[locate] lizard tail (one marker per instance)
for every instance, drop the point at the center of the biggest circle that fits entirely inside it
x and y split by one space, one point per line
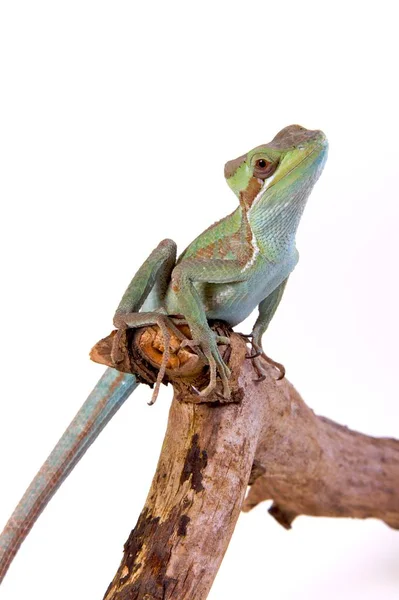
104 401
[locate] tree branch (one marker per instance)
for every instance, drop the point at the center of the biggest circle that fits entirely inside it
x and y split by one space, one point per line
312 466
266 437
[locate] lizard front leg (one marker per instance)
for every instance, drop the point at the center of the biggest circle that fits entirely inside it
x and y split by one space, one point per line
191 305
267 308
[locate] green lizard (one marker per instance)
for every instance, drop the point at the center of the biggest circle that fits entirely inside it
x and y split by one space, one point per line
239 263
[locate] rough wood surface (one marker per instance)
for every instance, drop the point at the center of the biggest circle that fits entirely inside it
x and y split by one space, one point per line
268 438
309 465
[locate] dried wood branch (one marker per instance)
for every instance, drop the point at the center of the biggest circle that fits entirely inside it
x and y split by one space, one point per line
267 438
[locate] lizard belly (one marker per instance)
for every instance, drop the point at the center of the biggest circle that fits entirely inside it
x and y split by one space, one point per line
234 302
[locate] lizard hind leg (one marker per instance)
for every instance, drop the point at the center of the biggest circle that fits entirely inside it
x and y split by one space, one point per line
153 278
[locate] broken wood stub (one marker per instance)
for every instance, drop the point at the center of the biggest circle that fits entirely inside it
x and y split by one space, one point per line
142 351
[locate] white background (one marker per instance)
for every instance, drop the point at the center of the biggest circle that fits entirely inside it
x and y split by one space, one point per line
116 120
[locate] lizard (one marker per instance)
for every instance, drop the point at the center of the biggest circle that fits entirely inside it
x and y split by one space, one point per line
239 263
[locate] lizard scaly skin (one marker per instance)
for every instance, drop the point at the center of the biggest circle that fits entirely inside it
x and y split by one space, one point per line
239 263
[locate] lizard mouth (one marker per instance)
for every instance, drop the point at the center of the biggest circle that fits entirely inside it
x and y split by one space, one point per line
266 182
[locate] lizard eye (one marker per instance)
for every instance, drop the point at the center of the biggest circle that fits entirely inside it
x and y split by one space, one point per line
263 168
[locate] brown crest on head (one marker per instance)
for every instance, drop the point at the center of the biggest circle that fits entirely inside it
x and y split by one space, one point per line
231 167
291 136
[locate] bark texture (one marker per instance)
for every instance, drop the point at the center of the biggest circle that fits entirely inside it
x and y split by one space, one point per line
266 437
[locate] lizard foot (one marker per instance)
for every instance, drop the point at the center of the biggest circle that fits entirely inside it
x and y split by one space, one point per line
216 364
258 356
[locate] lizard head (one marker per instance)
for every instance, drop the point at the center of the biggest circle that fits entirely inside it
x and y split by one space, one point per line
294 158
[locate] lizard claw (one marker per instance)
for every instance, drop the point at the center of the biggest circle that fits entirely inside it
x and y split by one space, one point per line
216 364
246 335
195 346
223 340
255 355
259 356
